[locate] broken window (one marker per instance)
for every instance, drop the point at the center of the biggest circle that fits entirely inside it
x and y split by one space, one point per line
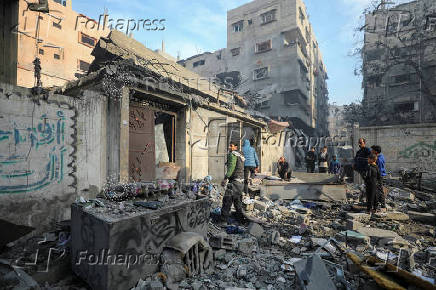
87 40
200 62
41 51
83 65
294 97
302 17
430 24
57 25
405 107
374 81
263 46
250 21
238 26
62 2
268 17
56 56
235 51
260 73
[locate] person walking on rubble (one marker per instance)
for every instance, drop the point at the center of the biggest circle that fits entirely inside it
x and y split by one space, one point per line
233 182
323 158
372 184
310 160
335 166
251 163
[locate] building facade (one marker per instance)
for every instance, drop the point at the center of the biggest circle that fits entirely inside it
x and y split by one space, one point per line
272 48
60 38
399 63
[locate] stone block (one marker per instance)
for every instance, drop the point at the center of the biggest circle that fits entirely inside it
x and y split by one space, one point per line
425 218
353 225
222 241
353 237
255 230
113 251
260 205
396 216
360 217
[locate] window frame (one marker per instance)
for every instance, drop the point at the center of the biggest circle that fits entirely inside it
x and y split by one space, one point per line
84 43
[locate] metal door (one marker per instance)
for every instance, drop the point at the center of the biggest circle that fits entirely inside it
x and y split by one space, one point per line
217 148
141 144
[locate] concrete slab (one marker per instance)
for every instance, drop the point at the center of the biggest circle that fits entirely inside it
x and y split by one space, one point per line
426 218
325 192
313 274
111 251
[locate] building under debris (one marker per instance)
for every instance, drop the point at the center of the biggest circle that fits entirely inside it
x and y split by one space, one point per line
273 56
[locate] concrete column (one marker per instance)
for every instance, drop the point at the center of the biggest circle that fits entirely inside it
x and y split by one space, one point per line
354 141
124 136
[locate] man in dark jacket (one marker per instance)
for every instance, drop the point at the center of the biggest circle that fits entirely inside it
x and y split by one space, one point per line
372 184
251 163
361 159
283 169
310 160
234 180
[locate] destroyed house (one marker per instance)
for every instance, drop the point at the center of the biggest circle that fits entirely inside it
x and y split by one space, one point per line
135 117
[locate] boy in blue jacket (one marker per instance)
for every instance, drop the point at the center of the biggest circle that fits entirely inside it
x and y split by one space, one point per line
251 163
381 166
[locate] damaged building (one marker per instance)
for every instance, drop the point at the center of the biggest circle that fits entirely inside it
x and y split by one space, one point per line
273 54
135 117
399 63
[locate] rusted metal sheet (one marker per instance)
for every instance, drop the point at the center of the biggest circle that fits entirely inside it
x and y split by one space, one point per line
141 144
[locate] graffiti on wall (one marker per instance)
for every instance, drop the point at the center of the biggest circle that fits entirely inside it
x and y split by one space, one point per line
32 152
421 153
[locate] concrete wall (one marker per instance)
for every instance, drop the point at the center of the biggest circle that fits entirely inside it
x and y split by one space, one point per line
406 146
272 149
51 150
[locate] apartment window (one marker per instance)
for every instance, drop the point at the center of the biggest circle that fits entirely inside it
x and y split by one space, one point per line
56 56
405 107
238 26
62 2
83 65
57 25
260 73
41 51
374 81
263 46
87 40
268 17
235 51
250 21
40 17
200 62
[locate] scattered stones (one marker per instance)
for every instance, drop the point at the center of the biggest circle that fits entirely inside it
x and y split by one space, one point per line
426 218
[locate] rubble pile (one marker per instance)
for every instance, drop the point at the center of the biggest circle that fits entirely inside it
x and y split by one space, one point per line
266 253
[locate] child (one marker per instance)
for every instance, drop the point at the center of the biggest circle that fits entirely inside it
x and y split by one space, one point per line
335 166
372 184
381 166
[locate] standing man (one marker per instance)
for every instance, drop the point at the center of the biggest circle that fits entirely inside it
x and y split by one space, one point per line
372 184
376 149
283 169
323 159
310 160
251 163
361 160
234 181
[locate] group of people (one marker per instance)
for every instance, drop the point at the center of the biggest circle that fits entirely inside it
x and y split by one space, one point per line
324 165
370 164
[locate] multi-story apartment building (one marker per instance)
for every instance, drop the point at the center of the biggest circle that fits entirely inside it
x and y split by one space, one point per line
61 38
399 63
272 47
